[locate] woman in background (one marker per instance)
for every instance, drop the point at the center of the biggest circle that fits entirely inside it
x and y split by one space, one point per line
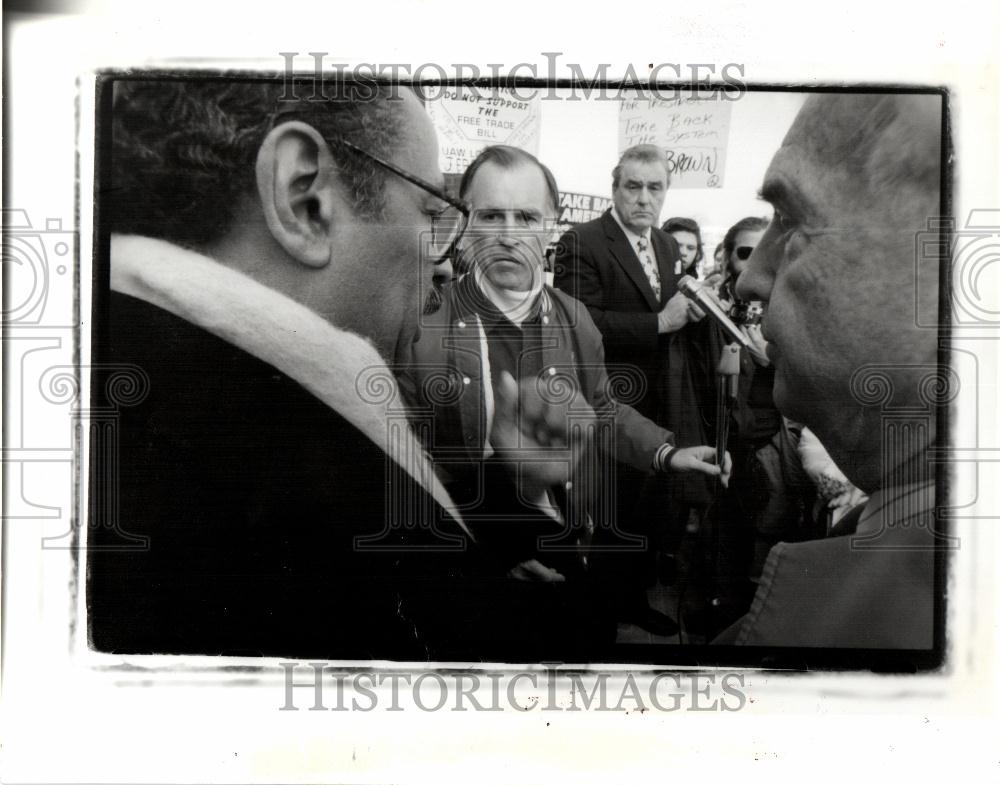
737 246
687 233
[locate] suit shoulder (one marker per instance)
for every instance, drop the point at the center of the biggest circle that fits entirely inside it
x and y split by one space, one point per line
575 310
666 238
589 229
562 299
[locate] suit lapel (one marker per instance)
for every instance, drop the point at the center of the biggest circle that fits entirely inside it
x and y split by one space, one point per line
666 259
622 252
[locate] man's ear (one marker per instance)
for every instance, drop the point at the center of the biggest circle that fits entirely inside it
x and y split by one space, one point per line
299 191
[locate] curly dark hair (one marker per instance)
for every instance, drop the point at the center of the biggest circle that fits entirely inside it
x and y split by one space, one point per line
184 152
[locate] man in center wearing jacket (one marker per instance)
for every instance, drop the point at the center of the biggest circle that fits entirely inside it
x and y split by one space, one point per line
500 326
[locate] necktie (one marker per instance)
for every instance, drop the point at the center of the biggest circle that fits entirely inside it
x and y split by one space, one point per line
647 264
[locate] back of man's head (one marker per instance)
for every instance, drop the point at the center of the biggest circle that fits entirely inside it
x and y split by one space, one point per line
183 152
300 195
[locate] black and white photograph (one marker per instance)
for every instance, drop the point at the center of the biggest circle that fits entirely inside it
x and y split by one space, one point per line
463 419
414 417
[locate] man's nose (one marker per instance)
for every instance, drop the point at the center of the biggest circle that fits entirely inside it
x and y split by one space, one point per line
509 228
756 280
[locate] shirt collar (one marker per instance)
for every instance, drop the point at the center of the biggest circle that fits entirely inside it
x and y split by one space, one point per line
516 307
633 238
897 505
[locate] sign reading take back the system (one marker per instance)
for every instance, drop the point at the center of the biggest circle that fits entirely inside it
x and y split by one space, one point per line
693 130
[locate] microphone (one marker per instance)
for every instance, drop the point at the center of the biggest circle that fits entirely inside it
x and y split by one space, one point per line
695 292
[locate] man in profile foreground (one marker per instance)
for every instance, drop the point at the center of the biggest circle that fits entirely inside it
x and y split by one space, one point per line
853 185
271 498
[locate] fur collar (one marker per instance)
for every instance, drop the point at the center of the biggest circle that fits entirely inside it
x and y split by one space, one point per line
332 364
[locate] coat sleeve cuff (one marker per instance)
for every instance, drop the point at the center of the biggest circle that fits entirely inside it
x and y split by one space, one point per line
662 457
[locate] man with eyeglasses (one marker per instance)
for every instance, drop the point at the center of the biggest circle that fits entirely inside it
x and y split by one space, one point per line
499 327
268 259
625 270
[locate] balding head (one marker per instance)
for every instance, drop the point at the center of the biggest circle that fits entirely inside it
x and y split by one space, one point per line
883 142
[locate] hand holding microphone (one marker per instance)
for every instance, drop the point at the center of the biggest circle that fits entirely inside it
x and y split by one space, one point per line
678 311
758 344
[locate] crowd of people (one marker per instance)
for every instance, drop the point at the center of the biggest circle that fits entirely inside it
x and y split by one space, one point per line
710 544
346 453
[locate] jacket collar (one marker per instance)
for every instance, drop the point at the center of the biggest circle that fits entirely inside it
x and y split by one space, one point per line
631 236
470 301
624 254
330 363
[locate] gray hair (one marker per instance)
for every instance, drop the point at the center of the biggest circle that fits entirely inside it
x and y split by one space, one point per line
646 153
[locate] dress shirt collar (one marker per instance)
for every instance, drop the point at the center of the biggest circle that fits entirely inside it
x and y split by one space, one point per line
633 238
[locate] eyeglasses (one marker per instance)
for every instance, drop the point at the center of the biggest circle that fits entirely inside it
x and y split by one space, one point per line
447 226
744 251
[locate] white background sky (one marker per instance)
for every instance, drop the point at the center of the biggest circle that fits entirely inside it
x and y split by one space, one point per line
579 142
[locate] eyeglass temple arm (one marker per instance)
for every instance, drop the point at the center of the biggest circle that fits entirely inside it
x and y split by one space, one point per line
409 177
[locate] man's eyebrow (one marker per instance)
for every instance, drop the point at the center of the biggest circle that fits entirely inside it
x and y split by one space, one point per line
640 181
773 191
493 209
785 196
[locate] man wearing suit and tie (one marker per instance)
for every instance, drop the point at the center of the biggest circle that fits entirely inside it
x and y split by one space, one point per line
625 270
